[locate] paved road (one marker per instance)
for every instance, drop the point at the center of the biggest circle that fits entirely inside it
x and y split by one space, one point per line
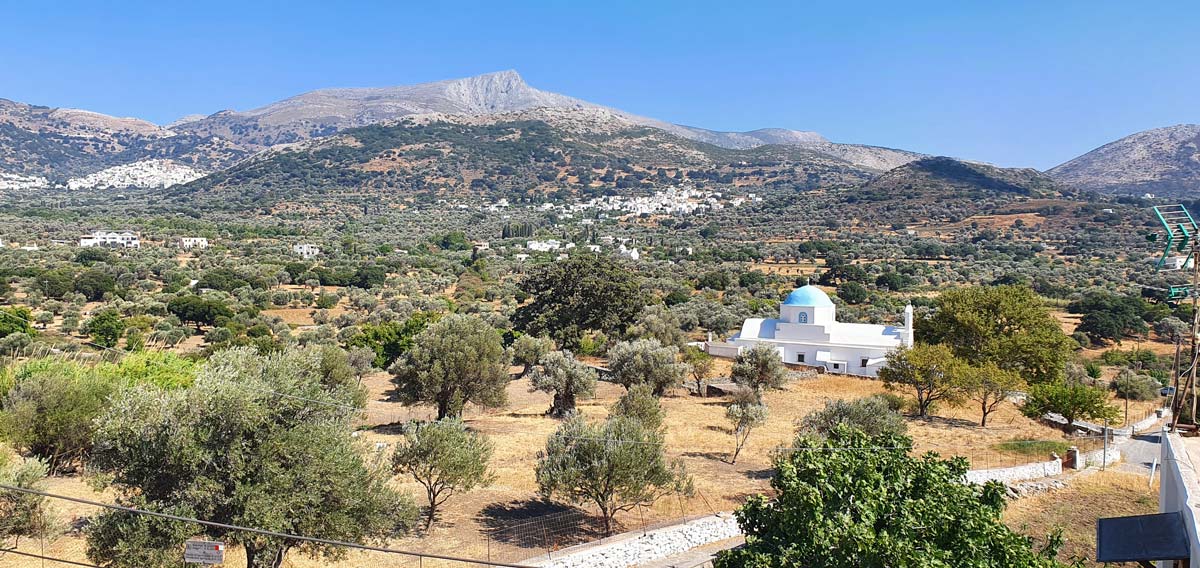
1139 452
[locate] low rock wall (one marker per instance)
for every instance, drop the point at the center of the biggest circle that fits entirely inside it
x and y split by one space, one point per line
1097 458
654 545
1017 473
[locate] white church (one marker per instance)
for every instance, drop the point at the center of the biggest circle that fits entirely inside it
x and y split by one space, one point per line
808 333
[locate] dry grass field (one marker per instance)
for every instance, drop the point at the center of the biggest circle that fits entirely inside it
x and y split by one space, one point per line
1075 509
697 435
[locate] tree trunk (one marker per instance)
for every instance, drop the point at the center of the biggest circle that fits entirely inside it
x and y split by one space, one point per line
443 409
983 418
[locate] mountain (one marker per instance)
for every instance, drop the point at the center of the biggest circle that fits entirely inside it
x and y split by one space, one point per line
59 144
579 151
940 178
323 112
65 144
1163 161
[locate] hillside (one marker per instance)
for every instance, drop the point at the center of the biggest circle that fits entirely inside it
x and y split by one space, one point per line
582 151
1163 161
948 178
60 144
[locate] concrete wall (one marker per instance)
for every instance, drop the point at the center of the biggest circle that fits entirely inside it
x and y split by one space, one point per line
1179 490
721 349
1023 472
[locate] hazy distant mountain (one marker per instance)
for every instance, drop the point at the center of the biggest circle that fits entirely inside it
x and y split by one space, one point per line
1163 161
63 144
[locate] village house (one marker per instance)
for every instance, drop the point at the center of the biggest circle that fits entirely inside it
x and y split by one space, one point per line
111 239
306 251
193 243
807 332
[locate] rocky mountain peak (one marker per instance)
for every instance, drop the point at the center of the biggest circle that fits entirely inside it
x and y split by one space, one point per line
1162 161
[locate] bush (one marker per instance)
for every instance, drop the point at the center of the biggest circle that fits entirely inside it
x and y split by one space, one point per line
50 410
873 415
1135 387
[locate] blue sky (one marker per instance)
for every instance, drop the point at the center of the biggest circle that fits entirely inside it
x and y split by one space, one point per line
1014 83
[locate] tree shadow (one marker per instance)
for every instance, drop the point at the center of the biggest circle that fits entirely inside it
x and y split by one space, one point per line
767 473
716 456
539 524
942 422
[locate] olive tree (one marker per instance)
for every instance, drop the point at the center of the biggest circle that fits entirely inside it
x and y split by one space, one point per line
445 458
528 351
702 366
744 417
617 465
647 361
561 375
260 441
759 368
458 359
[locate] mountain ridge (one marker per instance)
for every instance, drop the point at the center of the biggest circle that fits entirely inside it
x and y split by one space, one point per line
1162 160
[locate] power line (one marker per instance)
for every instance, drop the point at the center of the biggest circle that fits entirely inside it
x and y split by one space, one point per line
4 551
263 532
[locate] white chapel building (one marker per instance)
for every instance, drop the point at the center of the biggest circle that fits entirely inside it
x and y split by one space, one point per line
807 333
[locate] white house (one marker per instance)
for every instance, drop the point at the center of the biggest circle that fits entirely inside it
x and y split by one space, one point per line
808 333
113 239
306 250
193 243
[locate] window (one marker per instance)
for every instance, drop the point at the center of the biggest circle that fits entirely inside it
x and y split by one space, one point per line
799 357
837 365
864 362
802 317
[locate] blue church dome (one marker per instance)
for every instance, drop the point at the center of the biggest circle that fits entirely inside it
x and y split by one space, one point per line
809 296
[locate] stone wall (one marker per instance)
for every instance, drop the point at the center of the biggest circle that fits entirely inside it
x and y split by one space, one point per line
1017 473
635 549
1100 458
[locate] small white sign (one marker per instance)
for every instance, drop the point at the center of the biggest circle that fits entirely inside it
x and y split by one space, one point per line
203 552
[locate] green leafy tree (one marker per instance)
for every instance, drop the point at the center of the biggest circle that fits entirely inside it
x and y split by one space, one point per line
759 368
616 465
583 293
931 372
199 311
445 458
391 339
702 366
744 418
561 375
990 386
105 328
1132 386
55 283
16 319
50 409
878 509
871 415
1005 325
458 359
258 440
646 361
1073 401
94 284
528 351
852 293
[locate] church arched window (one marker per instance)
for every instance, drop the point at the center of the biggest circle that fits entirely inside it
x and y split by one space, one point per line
802 317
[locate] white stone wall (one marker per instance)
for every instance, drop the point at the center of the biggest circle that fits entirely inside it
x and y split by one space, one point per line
653 545
1102 458
1017 473
1179 491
